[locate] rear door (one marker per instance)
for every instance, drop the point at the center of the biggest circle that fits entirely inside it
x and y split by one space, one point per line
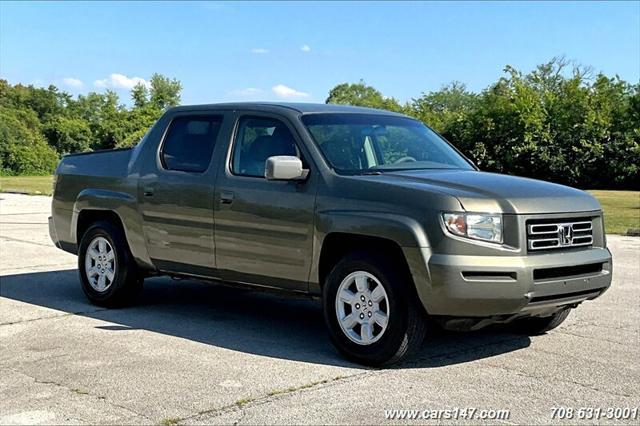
264 229
177 195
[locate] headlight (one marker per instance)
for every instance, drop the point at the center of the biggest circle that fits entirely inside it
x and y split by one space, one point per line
479 226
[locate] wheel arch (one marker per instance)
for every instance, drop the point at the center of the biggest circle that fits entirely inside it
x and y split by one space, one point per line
116 207
87 217
339 233
338 244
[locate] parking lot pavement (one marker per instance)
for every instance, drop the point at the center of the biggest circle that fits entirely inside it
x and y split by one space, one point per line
201 353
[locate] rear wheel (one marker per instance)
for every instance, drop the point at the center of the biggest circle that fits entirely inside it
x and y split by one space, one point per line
108 273
371 310
534 326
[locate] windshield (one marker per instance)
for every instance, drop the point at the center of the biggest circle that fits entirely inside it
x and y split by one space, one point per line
364 143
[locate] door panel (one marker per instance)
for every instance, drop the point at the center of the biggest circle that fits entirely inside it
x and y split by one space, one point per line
177 196
264 229
178 220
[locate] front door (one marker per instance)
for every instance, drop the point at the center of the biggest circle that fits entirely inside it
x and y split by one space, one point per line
263 229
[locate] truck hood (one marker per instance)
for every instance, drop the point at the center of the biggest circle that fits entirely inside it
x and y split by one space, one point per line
490 192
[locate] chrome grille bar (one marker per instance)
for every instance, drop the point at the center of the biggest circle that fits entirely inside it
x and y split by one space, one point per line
546 235
551 228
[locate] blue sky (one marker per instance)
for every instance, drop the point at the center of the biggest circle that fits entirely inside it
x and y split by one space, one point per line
298 51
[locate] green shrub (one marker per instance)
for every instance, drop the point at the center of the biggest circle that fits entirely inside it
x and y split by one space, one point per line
23 149
68 135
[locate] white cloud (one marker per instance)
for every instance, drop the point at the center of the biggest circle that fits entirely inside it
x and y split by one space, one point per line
259 50
305 48
285 92
120 81
247 92
72 82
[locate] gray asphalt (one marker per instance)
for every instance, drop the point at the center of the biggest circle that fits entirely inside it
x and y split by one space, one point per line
201 353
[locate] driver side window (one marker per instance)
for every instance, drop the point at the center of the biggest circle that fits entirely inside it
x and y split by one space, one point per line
258 139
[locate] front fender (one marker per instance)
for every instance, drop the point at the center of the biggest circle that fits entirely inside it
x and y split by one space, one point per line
125 206
403 230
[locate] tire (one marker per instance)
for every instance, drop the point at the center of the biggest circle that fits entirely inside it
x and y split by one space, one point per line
124 284
535 326
406 322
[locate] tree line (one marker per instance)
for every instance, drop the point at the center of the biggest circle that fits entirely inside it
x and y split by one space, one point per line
39 125
558 122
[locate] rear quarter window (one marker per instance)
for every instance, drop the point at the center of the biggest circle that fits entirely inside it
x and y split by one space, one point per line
189 142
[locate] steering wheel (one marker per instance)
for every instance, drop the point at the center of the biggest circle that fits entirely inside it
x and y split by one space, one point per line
407 159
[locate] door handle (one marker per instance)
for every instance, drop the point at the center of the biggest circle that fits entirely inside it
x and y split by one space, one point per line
226 197
148 192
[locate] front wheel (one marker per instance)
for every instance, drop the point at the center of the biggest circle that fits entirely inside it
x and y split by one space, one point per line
108 272
534 326
373 316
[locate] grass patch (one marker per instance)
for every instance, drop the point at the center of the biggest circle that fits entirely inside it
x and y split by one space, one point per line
169 421
32 185
277 392
244 401
621 210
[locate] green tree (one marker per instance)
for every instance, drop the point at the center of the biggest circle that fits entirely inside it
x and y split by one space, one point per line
67 134
23 150
446 111
359 94
616 128
138 123
164 92
42 101
106 118
140 95
91 121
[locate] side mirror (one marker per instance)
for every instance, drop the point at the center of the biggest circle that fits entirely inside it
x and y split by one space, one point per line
284 167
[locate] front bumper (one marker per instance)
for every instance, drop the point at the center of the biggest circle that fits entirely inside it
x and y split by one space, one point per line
487 286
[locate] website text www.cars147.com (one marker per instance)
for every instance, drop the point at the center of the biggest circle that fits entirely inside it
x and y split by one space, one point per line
465 413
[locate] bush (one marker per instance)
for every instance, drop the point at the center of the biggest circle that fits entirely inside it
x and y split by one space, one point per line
68 135
23 150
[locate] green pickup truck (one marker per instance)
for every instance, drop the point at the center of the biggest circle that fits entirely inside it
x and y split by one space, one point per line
370 211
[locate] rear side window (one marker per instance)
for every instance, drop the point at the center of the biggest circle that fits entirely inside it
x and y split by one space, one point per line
189 143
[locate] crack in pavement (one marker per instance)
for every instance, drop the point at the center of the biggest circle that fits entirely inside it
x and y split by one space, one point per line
77 392
66 314
578 322
604 339
16 240
37 268
544 379
241 405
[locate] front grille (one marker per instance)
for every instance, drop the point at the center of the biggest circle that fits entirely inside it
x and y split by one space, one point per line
550 234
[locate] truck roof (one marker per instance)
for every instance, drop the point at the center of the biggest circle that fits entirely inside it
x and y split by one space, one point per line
300 107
